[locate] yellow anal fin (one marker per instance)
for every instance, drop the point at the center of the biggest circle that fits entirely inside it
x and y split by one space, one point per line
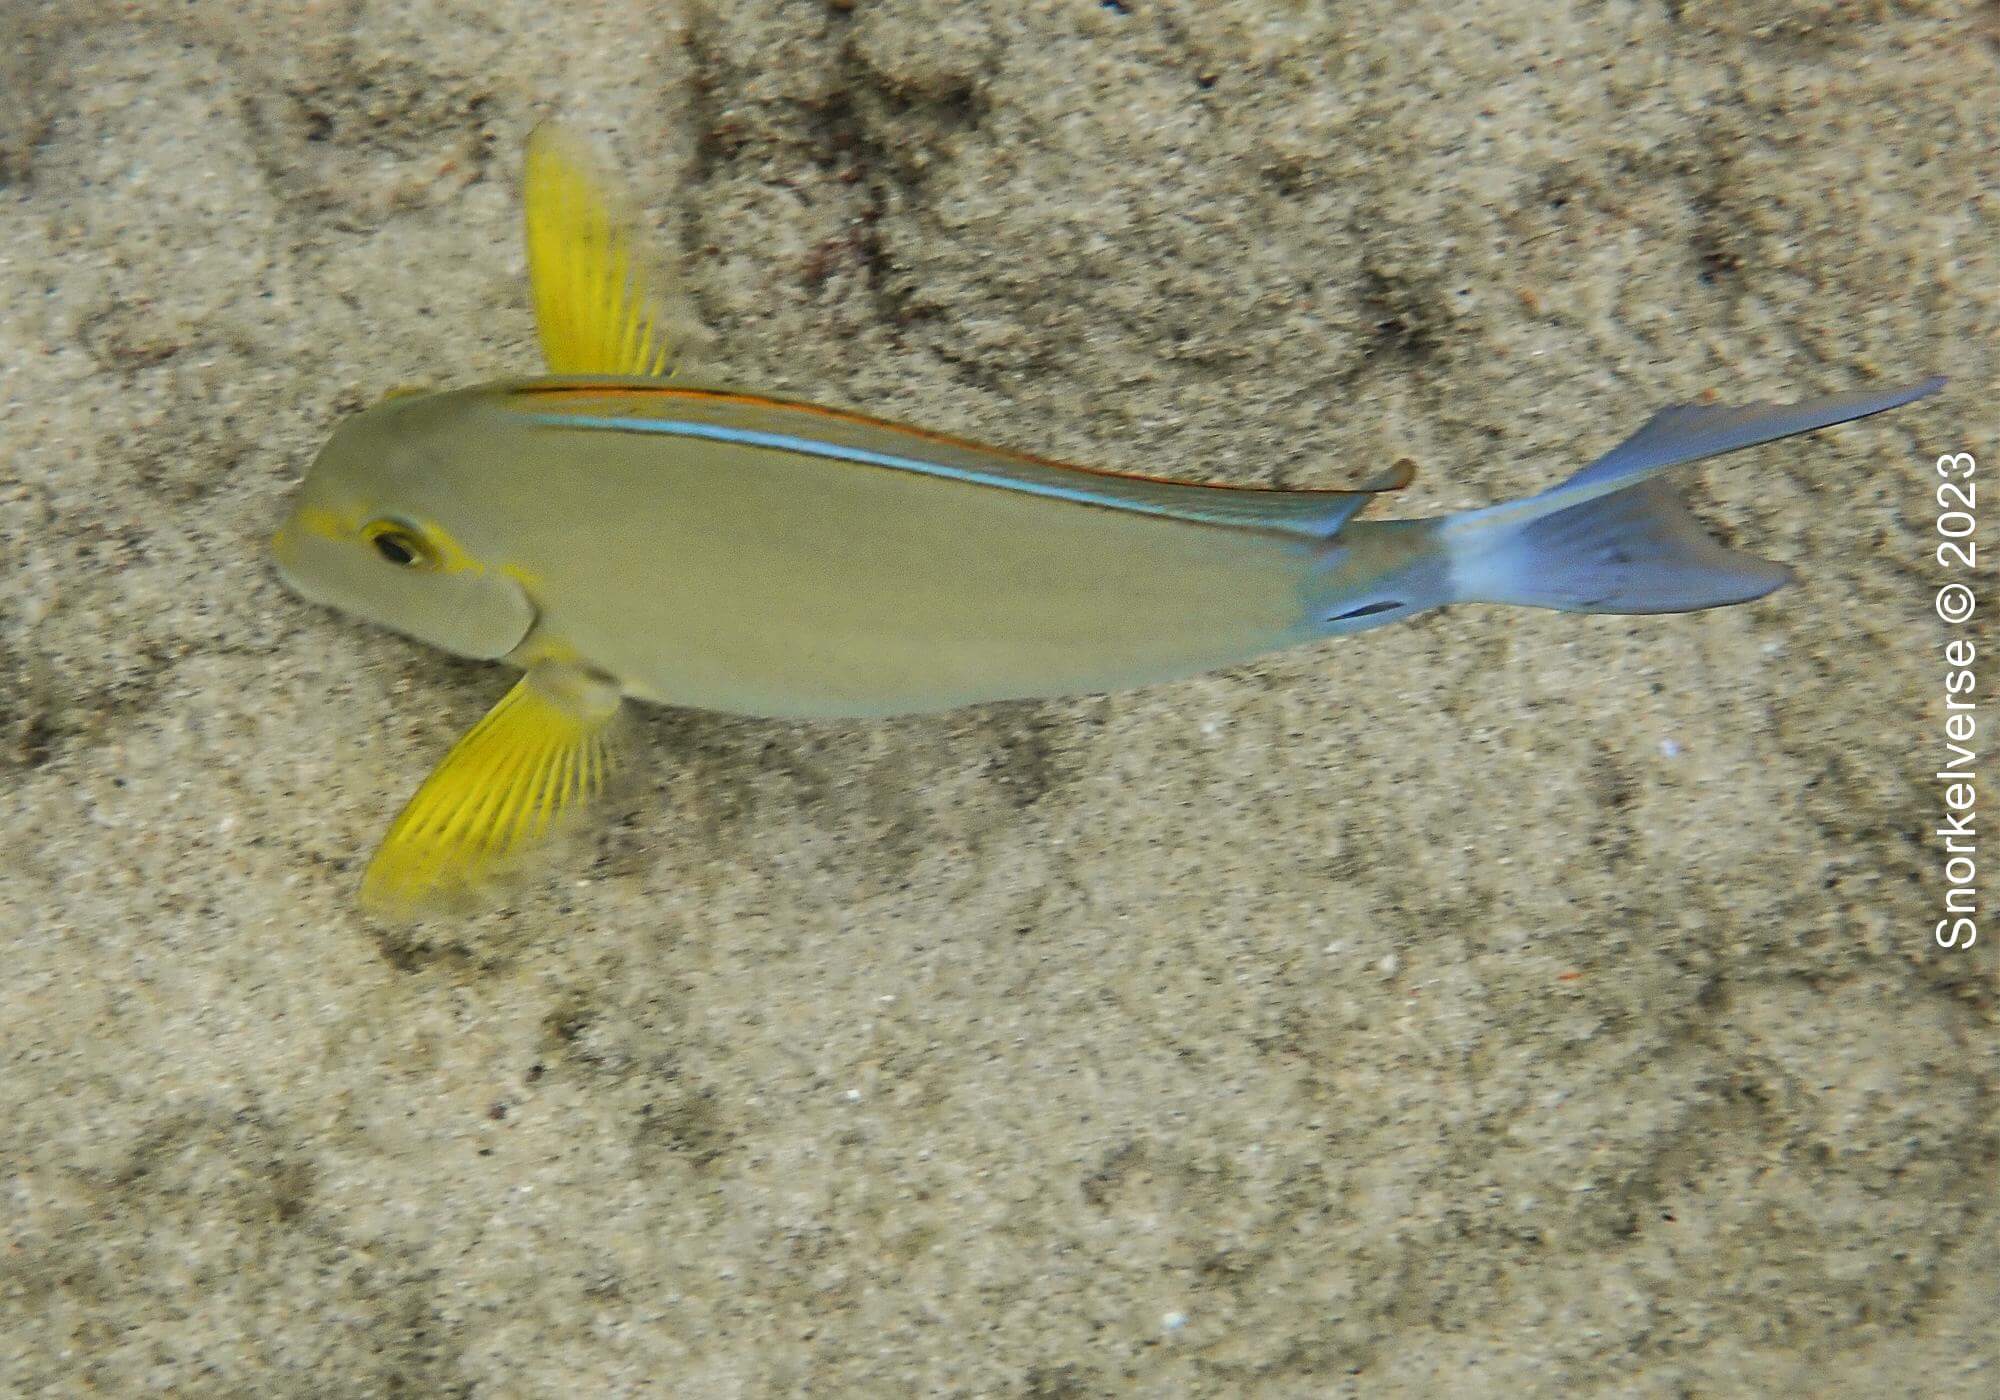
601 303
538 755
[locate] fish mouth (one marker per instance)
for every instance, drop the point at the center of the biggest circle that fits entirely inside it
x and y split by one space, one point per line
287 561
281 552
284 559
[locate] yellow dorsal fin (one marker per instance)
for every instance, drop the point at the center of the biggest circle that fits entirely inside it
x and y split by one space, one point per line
601 302
539 754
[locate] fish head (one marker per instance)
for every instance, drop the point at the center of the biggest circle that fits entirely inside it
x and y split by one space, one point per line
377 534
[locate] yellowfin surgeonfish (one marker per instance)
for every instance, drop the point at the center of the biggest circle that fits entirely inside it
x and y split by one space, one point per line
615 533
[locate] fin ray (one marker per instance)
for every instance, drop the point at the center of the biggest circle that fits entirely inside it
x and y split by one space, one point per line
602 304
535 757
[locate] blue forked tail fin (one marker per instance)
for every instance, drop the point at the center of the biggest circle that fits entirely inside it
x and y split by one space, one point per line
1611 539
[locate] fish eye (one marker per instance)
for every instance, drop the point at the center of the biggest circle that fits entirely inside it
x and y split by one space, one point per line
400 545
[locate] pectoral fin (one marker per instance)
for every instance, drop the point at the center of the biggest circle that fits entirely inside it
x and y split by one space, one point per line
602 304
537 756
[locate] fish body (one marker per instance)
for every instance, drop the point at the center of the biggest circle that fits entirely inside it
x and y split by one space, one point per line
618 534
737 552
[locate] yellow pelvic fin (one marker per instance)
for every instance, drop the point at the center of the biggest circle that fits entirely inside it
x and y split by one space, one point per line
600 301
539 754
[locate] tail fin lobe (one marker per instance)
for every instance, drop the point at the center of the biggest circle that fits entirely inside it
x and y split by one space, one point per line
1639 550
1612 539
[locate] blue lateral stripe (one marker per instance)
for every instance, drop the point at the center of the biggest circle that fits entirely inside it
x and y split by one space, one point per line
812 447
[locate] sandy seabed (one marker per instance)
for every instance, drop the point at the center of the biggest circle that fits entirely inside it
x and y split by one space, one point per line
1507 1003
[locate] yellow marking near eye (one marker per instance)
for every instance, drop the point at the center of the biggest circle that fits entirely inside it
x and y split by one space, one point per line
407 547
453 558
441 553
323 522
